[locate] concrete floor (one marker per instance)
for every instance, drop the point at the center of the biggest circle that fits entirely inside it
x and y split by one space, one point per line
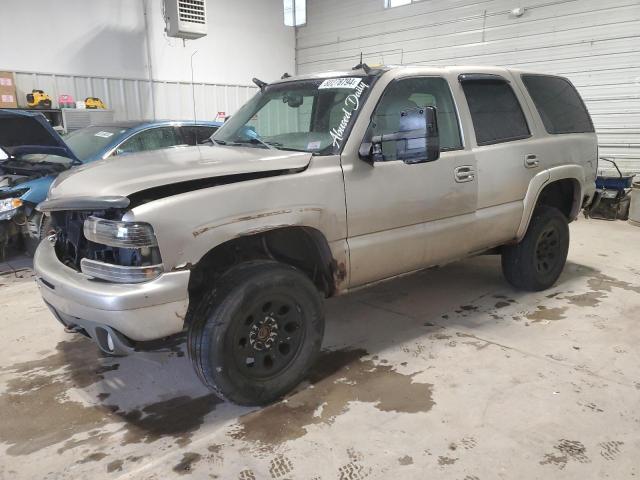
448 373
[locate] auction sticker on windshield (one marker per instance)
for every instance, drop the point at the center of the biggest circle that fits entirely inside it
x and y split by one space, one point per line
349 83
103 134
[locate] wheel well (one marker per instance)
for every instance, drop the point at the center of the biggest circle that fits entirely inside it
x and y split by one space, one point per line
302 247
561 194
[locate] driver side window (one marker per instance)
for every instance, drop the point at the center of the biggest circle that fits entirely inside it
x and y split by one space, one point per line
409 95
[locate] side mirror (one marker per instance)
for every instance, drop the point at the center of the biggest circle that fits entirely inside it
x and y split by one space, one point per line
417 141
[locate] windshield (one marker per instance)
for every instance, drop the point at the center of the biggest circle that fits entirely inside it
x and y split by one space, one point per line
307 115
84 143
89 141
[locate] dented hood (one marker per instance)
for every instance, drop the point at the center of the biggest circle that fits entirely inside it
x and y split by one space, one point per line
124 175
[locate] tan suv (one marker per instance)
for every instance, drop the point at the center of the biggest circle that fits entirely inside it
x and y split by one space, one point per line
320 184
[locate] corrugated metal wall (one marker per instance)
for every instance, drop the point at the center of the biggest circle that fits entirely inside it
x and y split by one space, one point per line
131 98
593 42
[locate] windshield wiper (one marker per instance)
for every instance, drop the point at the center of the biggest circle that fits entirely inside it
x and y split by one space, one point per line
256 140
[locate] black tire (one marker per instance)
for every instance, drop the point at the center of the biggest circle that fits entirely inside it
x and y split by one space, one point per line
37 228
537 261
253 337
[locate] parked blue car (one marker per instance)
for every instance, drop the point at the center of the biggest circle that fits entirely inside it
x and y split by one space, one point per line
32 154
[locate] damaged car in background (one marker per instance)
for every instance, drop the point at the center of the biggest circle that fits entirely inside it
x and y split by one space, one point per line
32 154
318 185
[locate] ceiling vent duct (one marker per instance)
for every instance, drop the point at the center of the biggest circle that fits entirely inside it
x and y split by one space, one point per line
185 18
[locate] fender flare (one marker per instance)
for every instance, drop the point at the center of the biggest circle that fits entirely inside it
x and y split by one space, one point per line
540 182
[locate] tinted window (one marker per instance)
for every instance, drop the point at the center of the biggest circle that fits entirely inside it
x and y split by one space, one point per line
409 95
196 135
152 139
559 104
496 113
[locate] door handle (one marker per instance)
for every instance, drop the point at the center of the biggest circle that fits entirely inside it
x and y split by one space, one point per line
465 173
531 161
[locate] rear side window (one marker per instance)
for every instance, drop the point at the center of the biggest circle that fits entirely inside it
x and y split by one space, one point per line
559 104
495 111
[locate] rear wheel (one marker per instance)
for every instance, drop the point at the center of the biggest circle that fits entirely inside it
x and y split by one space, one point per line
537 261
257 332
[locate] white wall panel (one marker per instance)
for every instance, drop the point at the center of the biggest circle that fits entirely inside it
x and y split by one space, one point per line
246 38
108 49
132 98
594 43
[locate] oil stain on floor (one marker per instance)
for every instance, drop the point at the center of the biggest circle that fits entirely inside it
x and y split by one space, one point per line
339 377
37 412
544 313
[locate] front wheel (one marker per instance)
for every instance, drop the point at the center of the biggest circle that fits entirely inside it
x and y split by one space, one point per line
254 336
537 261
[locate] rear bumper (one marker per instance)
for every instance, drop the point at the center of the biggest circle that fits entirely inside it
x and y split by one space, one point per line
144 311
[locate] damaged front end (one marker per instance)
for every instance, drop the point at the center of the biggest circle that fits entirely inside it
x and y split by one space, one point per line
13 218
22 185
32 154
98 243
103 277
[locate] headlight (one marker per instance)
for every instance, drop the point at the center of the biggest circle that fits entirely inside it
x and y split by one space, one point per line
127 252
119 234
118 273
9 207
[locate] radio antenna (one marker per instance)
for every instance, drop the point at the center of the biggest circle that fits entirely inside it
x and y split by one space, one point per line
362 66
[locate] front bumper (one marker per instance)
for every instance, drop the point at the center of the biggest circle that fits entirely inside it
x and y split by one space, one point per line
141 312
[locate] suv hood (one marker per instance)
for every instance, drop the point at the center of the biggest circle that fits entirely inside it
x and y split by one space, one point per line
23 132
129 174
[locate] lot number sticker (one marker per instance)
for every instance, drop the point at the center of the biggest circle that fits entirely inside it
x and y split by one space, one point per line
348 83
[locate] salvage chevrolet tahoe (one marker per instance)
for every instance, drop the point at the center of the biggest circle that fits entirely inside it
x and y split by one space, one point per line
320 184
